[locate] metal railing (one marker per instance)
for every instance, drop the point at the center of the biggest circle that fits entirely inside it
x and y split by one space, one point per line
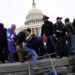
49 55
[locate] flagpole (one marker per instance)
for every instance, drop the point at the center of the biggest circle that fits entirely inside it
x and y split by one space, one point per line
52 65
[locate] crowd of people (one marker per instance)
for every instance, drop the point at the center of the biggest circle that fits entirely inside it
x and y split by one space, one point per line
58 38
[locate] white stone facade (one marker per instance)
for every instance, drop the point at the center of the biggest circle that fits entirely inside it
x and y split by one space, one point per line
33 20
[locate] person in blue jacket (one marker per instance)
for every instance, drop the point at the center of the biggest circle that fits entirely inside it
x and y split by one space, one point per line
11 44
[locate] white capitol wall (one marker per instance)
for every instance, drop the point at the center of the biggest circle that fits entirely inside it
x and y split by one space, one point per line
35 28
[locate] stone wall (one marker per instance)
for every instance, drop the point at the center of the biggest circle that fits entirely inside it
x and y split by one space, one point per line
64 66
14 69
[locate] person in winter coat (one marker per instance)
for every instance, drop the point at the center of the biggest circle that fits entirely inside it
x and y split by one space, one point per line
11 44
3 44
70 27
69 30
59 32
48 31
19 40
73 39
34 47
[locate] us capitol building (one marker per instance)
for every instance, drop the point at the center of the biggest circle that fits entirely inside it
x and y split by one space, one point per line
33 20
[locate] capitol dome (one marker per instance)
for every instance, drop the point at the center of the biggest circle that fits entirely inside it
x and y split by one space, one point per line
34 16
34 19
34 10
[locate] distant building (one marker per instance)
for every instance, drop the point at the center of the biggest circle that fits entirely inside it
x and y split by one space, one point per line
33 20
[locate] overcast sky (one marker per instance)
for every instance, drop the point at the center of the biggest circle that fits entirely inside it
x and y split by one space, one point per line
15 11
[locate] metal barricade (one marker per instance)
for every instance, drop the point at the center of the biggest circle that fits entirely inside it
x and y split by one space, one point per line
53 67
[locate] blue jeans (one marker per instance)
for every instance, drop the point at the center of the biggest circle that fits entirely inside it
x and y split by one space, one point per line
12 57
33 54
72 42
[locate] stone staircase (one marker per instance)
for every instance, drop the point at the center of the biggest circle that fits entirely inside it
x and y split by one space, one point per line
64 66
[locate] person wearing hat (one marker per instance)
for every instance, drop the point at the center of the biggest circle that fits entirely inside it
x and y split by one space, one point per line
59 32
59 18
48 31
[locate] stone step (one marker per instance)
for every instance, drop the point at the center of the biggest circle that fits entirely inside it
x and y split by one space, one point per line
71 74
61 70
72 60
71 68
62 67
13 67
56 62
